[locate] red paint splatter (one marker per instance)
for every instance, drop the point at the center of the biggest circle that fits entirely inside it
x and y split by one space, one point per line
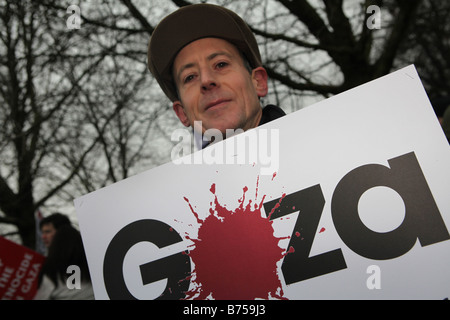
236 254
322 230
192 210
277 205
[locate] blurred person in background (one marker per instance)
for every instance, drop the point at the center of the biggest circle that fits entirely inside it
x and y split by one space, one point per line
66 249
50 224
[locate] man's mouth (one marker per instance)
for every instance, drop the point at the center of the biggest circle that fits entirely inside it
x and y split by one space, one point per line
216 103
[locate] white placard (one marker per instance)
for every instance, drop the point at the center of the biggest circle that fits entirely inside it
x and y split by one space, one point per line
357 207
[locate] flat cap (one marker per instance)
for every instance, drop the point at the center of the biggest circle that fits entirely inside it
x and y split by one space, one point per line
191 23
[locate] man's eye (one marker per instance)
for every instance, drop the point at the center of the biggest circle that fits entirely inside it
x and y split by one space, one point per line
221 65
188 78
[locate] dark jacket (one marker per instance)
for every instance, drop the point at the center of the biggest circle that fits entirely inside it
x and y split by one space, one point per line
271 112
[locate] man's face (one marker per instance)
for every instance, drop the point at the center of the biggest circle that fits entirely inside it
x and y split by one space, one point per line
47 232
216 88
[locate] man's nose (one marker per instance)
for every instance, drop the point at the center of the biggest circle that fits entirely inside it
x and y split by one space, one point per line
208 80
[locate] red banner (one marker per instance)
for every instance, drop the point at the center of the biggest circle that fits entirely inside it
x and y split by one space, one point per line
19 270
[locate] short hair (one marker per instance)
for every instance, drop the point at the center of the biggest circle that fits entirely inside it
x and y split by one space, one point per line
57 219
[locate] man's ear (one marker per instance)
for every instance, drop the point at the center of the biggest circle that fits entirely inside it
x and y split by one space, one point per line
260 78
179 111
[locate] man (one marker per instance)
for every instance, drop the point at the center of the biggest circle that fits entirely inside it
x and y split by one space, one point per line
207 62
50 224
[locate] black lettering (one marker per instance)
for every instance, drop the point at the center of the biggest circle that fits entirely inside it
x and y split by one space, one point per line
298 266
422 220
175 267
